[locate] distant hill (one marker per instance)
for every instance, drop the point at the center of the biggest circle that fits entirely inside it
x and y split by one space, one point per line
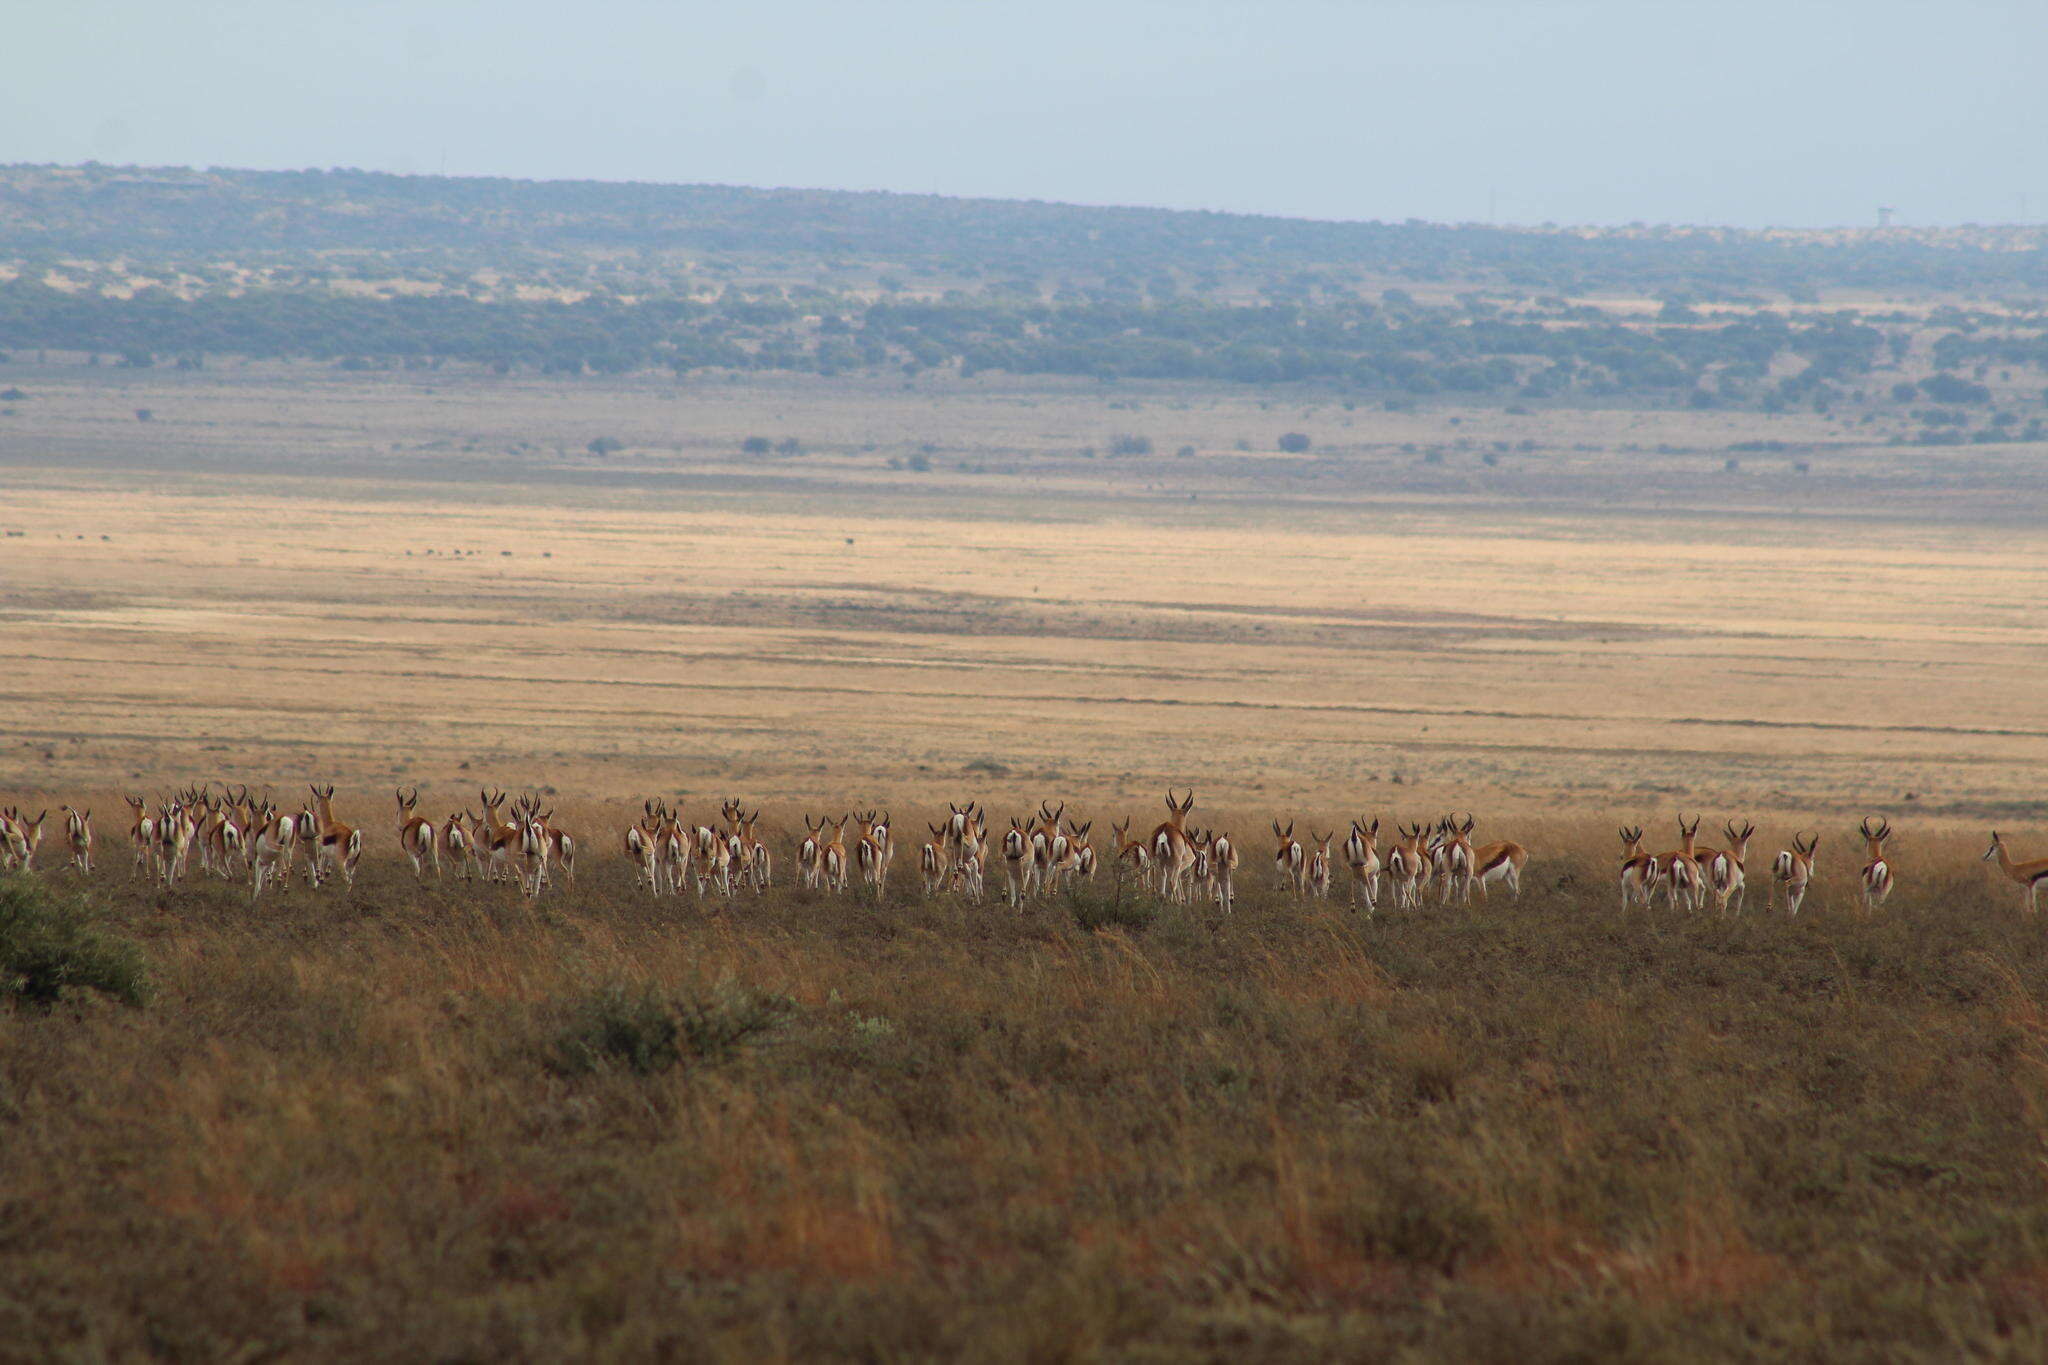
367 272
159 213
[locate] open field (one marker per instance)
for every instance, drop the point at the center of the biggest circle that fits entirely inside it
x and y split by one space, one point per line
370 580
449 1123
445 1122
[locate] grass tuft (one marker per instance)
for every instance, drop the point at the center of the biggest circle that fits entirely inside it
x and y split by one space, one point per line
1120 906
638 1029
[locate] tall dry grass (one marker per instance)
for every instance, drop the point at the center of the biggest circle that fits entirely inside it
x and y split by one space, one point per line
343 1126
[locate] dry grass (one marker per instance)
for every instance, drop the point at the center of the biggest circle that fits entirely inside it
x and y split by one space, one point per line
341 1129
371 1124
1617 625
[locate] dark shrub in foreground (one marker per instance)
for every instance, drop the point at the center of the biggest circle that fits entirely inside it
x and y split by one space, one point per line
51 944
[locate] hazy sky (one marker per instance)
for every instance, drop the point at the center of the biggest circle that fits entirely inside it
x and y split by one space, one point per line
1569 110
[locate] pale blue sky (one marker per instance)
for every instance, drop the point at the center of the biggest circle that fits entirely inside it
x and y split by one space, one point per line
1792 112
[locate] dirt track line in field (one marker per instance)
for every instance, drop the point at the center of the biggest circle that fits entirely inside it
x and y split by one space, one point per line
1076 699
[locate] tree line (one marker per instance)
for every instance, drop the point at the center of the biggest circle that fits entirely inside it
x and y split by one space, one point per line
1399 346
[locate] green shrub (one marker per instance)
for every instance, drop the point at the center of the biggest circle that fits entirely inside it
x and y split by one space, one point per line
637 1028
50 945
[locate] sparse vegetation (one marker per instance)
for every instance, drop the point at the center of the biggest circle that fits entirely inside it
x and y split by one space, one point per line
1627 1134
646 1031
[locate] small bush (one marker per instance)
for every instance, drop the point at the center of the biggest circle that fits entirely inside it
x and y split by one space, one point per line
641 1031
606 445
1122 906
1294 443
1413 1222
50 945
1130 445
756 445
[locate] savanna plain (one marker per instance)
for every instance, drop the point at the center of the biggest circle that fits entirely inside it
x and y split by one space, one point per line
444 1120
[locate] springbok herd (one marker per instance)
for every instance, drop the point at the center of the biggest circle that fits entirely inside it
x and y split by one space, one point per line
234 835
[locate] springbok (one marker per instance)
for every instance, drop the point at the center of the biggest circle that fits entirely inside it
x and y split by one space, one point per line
78 835
1222 870
1171 850
1679 869
932 861
175 824
2027 875
459 845
417 835
832 855
1048 847
1792 869
141 833
1319 864
1638 869
1877 873
639 848
535 846
1017 860
967 877
340 845
221 832
1290 860
1075 856
750 855
1727 876
1451 858
273 839
760 859
1131 851
870 851
962 827
810 867
1408 866
1362 856
711 861
16 850
500 842
561 846
1497 862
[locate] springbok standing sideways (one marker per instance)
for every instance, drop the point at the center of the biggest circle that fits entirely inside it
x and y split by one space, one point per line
2028 875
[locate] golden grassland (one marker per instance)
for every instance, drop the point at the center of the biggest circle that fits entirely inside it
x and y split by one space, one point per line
445 1122
256 583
